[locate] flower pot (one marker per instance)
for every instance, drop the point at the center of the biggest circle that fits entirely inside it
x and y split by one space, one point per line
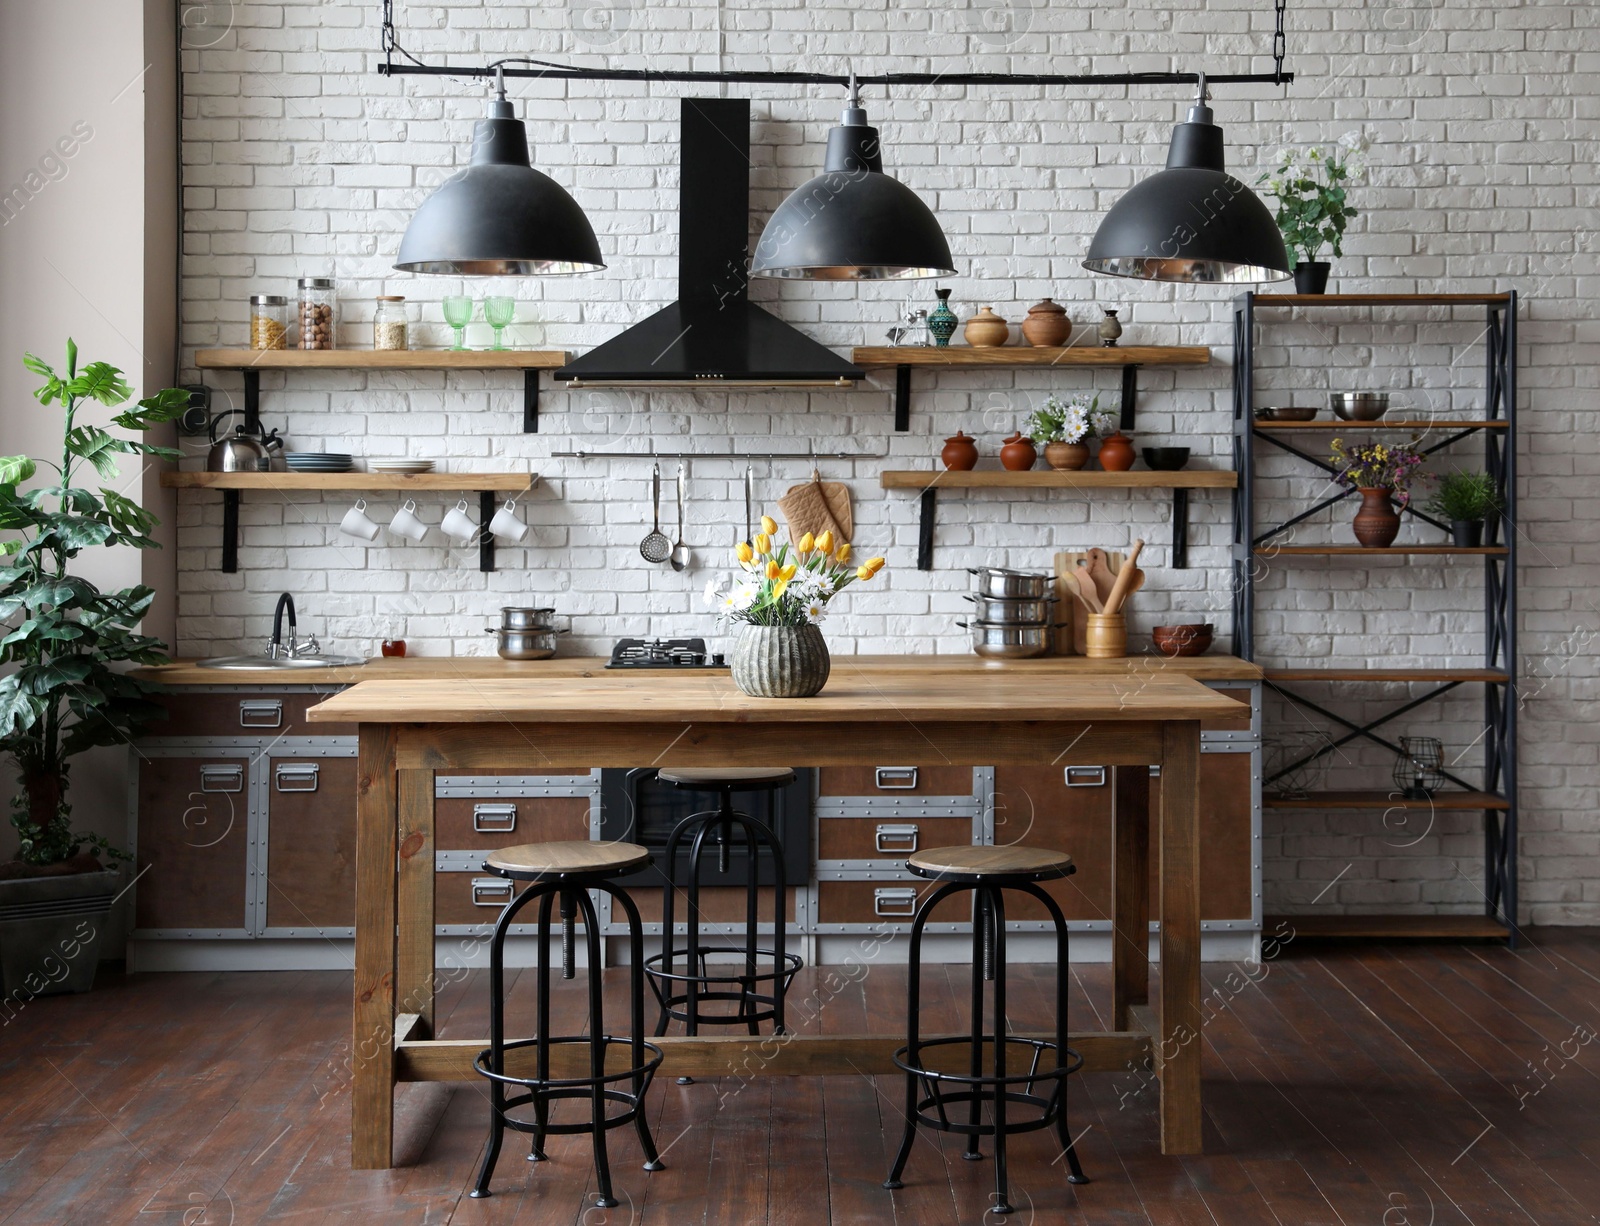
50 930
1018 454
942 321
779 661
986 330
1377 523
1066 457
1467 533
960 453
1116 453
1047 325
1311 278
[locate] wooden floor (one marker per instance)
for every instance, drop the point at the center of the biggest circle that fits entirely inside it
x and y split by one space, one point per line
1344 1084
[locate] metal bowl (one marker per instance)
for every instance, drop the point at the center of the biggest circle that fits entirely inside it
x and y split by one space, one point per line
526 644
998 583
513 617
1012 610
1359 406
1002 641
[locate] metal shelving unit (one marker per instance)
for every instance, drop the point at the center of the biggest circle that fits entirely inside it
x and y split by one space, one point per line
1495 795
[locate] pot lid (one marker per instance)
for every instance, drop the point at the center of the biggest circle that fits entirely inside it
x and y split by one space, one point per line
1047 307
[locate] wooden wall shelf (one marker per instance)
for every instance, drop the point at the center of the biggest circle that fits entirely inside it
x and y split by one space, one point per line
968 357
251 362
1384 928
1336 551
1452 801
1356 300
1334 423
233 485
1390 675
930 481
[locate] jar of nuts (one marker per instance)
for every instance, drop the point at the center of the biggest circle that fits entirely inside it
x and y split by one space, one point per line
269 321
389 322
316 313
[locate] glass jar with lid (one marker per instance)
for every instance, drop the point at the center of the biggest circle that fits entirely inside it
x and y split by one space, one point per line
389 322
317 320
269 321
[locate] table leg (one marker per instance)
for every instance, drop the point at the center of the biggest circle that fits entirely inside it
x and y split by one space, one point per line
1130 892
1181 1044
414 985
372 1035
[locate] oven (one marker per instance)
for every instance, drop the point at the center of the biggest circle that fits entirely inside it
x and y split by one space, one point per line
636 807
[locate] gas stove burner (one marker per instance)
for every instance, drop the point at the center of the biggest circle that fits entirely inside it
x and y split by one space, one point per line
663 653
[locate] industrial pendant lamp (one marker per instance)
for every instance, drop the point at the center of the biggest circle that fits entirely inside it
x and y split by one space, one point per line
499 217
1192 221
852 222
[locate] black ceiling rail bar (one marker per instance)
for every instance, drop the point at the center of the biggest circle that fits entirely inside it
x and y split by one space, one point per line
558 73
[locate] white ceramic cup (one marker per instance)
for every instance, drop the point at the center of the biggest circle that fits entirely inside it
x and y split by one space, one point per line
459 524
405 522
355 522
506 524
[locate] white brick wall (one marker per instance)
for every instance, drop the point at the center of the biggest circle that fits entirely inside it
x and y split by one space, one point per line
300 159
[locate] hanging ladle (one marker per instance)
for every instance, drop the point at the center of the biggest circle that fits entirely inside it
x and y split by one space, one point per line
655 547
680 550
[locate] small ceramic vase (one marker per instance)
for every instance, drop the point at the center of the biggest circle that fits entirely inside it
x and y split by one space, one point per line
942 321
1377 523
986 330
960 453
1116 453
1018 455
1110 329
1066 457
1047 325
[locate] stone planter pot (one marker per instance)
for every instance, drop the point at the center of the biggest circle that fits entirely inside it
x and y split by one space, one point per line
1066 457
780 661
50 930
1377 523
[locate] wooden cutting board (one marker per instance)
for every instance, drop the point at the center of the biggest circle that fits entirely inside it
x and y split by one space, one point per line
1070 611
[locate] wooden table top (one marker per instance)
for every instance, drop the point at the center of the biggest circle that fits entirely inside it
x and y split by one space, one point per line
706 696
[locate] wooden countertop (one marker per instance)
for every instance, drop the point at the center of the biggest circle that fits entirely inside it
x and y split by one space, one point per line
188 672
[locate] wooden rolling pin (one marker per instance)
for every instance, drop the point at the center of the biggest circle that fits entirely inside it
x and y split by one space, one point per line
1120 589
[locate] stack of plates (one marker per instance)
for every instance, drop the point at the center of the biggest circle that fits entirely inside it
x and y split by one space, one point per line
318 461
399 466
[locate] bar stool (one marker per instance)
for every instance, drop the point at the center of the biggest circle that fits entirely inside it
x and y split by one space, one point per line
988 872
566 872
684 995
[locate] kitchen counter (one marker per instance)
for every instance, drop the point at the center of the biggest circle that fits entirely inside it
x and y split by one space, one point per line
189 673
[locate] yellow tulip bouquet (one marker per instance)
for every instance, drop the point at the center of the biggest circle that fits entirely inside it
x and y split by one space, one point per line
784 587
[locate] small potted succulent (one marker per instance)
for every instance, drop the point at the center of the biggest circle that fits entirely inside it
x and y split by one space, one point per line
1311 189
1383 475
1466 499
1062 429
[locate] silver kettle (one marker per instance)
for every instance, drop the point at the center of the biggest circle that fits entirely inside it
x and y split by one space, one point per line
243 451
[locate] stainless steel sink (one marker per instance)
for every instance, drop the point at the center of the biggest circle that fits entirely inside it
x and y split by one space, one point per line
282 664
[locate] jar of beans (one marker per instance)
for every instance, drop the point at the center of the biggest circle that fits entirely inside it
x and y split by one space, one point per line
269 321
316 313
389 322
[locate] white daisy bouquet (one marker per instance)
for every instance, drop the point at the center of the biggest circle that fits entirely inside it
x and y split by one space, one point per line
780 587
1070 421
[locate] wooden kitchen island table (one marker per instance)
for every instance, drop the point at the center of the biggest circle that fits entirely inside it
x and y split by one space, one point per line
869 713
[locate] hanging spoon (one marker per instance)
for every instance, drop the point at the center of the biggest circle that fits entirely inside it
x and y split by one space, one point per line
655 547
680 551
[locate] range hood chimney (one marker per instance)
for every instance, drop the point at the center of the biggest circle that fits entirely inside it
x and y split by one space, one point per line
712 336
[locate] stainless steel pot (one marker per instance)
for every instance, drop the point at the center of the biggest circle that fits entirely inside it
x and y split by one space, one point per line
513 617
998 583
1359 406
998 640
1012 611
526 644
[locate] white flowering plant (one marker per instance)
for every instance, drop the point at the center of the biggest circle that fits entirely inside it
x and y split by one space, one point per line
1070 421
1311 189
787 585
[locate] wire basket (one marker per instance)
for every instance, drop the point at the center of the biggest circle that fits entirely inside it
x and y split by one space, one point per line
1297 763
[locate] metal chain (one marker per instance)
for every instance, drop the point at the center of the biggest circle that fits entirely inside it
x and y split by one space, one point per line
1280 45
388 35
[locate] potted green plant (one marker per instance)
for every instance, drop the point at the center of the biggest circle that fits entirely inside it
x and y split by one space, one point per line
1466 499
1311 189
1383 475
64 643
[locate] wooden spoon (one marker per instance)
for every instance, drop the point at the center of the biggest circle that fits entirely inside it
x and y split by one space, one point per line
1086 589
1100 571
1124 580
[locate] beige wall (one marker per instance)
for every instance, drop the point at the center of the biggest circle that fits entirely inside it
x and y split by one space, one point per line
88 133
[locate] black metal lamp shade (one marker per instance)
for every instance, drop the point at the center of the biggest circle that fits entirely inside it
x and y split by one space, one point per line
852 222
499 217
1192 221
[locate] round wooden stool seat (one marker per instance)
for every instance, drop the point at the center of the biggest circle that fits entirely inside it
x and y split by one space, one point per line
968 863
735 778
534 860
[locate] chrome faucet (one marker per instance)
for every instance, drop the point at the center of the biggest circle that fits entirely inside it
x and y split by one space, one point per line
294 649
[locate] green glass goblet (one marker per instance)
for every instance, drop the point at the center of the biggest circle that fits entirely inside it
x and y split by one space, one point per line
499 312
458 314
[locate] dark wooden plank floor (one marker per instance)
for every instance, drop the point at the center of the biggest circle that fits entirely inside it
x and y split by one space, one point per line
1386 1085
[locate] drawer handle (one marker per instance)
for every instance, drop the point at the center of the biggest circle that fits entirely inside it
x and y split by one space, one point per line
896 778
494 819
296 776
896 838
221 778
491 892
261 713
895 902
1086 776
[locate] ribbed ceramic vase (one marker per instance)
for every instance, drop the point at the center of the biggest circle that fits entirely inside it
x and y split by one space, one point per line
780 661
1377 523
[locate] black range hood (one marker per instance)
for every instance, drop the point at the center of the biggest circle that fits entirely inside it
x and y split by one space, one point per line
712 336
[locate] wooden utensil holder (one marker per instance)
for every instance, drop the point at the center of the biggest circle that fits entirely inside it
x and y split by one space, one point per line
1106 636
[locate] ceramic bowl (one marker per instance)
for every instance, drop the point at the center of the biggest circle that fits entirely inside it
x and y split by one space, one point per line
1166 459
1191 639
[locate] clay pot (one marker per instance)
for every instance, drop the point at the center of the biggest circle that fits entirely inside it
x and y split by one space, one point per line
1110 328
1066 457
986 330
1189 639
1377 523
960 453
1116 453
1018 454
1047 325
